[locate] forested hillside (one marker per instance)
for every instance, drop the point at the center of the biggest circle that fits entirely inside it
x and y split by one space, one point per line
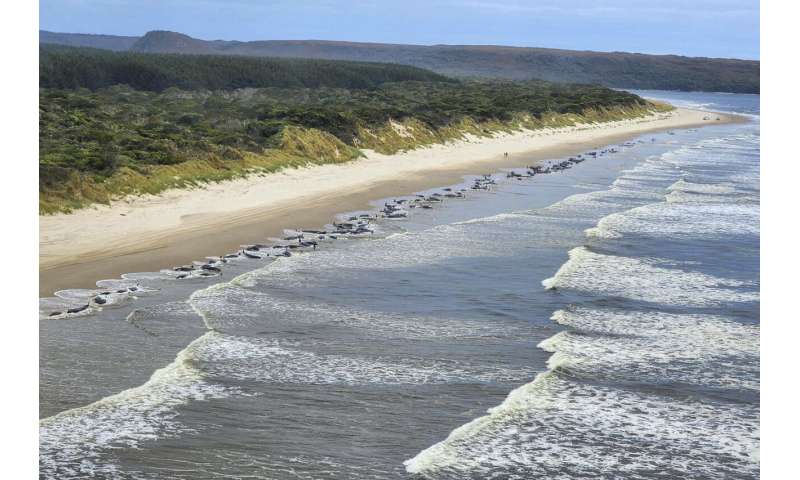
67 67
613 69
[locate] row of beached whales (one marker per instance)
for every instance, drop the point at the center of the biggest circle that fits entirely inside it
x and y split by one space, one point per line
353 227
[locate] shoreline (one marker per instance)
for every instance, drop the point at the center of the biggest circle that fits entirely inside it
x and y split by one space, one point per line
149 233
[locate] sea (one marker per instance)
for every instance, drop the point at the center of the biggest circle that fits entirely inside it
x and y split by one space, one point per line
597 322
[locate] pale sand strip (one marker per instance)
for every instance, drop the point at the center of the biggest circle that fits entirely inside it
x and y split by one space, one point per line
152 232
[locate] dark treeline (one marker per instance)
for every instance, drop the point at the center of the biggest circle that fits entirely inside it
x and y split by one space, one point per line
70 68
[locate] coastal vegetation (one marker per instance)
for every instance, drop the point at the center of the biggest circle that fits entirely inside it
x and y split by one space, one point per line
111 141
69 68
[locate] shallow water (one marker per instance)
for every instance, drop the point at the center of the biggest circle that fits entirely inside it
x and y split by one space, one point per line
606 317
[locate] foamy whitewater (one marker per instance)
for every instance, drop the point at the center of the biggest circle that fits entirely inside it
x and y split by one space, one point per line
596 322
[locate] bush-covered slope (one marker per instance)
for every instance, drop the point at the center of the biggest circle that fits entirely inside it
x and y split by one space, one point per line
95 146
69 68
614 69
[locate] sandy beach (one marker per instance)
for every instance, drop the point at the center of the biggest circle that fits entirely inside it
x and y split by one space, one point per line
152 232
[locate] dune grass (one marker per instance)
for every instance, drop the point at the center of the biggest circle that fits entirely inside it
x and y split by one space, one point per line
397 136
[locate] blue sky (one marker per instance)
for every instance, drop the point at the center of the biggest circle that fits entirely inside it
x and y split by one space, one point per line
715 28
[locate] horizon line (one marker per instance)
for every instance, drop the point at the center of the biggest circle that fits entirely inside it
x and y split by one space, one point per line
405 44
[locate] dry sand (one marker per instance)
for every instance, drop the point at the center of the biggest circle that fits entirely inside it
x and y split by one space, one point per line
148 233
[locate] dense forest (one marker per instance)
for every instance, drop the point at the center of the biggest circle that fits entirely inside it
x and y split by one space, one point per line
613 69
70 67
176 131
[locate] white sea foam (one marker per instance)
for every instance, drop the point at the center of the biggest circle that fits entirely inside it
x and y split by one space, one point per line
702 188
557 428
646 280
726 192
659 348
560 427
500 217
680 196
680 220
249 358
238 304
72 443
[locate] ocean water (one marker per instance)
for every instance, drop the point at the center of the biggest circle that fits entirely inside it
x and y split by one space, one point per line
596 322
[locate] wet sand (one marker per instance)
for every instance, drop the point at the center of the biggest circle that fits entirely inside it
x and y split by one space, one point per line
151 233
